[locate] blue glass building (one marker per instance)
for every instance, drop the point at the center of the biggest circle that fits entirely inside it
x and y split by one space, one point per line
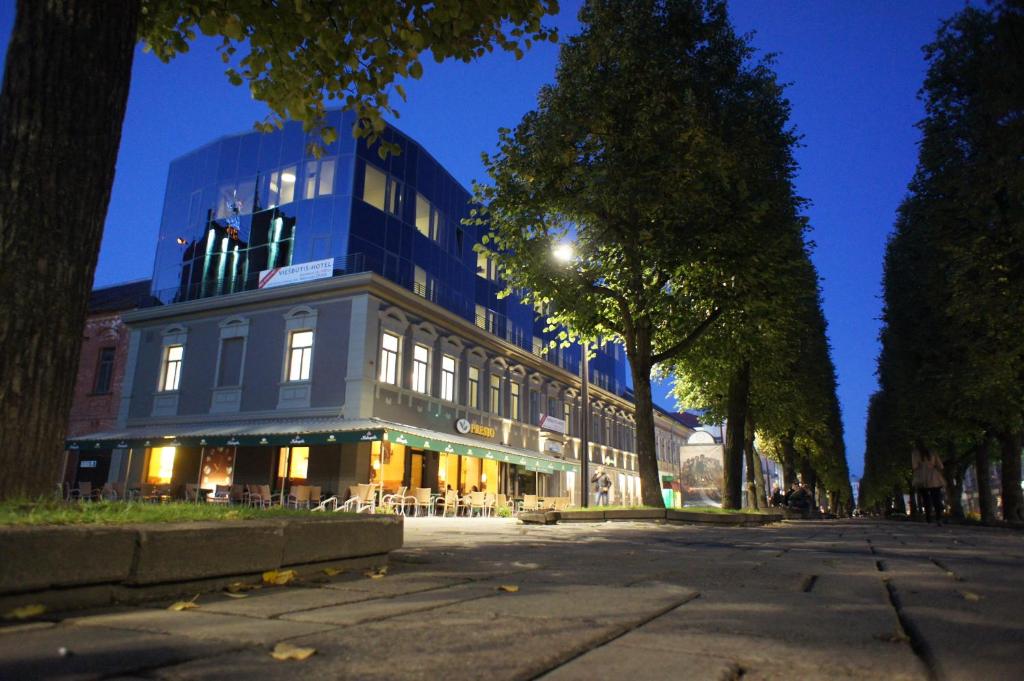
251 202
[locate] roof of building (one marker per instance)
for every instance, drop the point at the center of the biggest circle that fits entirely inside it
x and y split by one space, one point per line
124 296
687 419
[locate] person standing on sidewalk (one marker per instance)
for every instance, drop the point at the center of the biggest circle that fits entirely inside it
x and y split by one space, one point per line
602 483
928 481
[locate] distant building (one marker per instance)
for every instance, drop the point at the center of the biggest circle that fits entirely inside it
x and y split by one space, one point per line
101 367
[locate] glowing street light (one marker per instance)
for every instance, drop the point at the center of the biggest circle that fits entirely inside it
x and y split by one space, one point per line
563 253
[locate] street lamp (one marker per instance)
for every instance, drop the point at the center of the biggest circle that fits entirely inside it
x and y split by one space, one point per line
565 254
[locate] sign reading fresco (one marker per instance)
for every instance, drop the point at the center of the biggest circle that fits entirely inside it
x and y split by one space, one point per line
549 422
465 427
294 274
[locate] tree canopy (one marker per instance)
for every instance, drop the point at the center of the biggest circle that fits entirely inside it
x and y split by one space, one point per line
951 369
662 155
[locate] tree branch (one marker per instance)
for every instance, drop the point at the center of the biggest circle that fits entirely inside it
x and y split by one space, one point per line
683 345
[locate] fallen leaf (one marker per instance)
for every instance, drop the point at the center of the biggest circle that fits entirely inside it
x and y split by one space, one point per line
240 587
286 651
234 594
332 572
510 588
25 611
278 577
376 573
970 596
183 605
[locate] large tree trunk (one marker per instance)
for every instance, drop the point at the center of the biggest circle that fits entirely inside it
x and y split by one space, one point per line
808 478
647 459
1013 499
739 392
752 472
983 477
955 485
61 107
788 459
899 505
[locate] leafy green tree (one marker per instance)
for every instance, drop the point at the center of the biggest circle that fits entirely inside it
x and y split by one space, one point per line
61 108
952 359
658 153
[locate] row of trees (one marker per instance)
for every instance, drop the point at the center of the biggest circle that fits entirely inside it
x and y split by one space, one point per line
951 369
664 156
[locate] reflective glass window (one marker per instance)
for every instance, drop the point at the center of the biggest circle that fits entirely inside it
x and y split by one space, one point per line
395 197
104 371
374 187
422 215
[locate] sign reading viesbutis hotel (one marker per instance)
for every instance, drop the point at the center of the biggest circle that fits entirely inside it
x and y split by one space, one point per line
294 274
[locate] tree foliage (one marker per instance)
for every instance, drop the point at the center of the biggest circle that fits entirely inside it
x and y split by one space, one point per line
951 370
299 56
661 153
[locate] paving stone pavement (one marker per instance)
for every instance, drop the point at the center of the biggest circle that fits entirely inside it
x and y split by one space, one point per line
845 599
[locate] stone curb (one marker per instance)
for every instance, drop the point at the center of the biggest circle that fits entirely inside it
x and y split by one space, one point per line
92 565
671 515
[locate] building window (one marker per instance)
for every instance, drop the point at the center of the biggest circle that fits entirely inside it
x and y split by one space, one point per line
495 394
486 267
374 187
514 401
389 358
300 352
230 370
485 318
282 187
448 378
172 367
474 388
299 468
395 197
423 215
420 365
161 466
319 178
104 372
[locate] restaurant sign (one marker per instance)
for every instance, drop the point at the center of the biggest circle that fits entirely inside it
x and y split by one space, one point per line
549 422
420 442
294 274
464 427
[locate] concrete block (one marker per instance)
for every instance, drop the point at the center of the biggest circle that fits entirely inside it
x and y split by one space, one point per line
582 517
636 514
323 538
539 517
178 552
43 557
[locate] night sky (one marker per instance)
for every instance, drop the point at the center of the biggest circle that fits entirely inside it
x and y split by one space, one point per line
854 69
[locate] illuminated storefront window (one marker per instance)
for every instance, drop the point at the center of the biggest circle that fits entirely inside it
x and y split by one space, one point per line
300 463
161 465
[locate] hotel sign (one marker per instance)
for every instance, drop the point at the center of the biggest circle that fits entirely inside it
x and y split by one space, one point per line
549 422
294 274
464 427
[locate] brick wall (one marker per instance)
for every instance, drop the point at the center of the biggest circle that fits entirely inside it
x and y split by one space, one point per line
92 412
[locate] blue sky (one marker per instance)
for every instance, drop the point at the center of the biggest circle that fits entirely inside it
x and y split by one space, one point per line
854 69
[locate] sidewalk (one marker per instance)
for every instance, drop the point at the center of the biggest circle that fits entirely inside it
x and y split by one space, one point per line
846 599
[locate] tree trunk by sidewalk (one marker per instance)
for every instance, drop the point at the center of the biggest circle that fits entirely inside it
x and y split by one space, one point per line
1013 498
647 458
754 490
955 486
62 104
788 459
739 392
808 478
983 477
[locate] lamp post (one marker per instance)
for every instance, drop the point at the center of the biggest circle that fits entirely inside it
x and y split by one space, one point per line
564 254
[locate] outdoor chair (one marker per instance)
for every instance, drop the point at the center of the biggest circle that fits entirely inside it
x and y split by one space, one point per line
83 492
298 497
260 496
191 492
531 502
502 501
490 503
560 503
109 492
477 503
421 499
315 494
221 495
396 502
238 494
362 502
450 502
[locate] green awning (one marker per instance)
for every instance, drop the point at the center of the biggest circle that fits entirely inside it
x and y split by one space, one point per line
279 433
537 462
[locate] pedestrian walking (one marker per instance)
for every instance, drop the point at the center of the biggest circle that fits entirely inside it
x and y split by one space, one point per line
602 484
929 481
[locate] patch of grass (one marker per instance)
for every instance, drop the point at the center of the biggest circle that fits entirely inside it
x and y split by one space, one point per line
614 508
716 509
123 512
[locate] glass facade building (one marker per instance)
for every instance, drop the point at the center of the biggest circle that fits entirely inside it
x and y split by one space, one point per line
251 202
